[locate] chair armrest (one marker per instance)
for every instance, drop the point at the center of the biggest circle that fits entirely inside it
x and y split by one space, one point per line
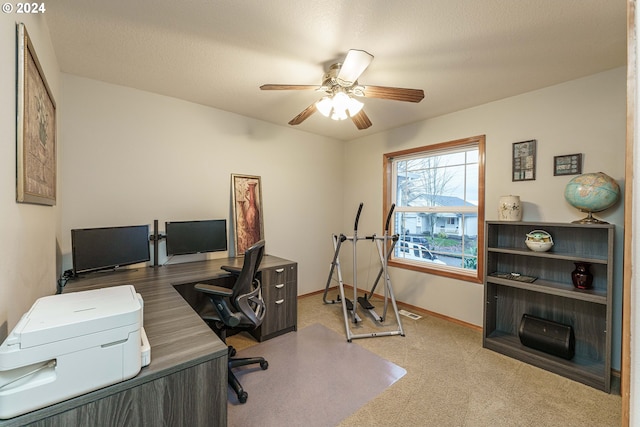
217 295
213 290
232 269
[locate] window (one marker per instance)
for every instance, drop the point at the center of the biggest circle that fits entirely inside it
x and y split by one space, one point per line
438 191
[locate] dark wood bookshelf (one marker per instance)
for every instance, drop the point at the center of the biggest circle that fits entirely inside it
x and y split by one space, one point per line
552 295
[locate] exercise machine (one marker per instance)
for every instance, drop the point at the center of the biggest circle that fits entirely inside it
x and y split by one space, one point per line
385 245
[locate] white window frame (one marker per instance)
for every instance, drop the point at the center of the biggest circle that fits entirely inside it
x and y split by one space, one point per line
389 190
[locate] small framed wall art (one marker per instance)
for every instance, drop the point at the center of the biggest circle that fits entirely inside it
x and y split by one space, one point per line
569 164
524 161
36 129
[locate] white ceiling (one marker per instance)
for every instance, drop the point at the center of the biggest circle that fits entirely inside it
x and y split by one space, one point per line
462 53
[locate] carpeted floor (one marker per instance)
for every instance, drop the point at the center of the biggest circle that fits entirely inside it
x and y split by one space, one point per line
452 381
315 378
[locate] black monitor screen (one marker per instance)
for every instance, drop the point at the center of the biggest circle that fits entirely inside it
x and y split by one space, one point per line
193 237
109 247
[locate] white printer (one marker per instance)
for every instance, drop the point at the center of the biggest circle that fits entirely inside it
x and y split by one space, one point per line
67 345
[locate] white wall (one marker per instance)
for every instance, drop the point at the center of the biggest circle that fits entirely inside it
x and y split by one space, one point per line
28 232
130 157
582 116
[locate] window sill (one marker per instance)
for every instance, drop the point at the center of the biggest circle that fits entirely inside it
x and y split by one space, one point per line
471 277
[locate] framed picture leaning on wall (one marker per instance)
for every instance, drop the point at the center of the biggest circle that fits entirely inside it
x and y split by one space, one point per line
36 128
246 193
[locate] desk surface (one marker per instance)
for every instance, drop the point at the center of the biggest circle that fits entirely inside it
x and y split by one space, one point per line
178 337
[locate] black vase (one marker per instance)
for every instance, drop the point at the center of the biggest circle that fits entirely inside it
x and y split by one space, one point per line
581 276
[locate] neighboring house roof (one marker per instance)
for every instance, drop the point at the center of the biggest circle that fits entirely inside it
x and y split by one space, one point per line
430 200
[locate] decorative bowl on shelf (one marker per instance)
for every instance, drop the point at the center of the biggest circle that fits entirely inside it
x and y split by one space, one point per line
539 241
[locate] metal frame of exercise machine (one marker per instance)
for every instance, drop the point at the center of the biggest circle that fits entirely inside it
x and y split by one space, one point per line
349 308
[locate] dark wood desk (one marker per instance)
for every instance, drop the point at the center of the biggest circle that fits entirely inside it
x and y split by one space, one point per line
186 382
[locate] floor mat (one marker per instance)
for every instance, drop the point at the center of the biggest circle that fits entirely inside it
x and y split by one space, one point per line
315 378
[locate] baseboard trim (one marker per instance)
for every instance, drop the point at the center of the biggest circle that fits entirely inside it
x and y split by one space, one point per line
409 307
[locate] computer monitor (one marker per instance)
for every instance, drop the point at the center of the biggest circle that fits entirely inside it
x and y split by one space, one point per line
194 237
109 247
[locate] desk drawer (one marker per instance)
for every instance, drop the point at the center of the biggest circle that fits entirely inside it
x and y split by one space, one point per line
279 275
280 293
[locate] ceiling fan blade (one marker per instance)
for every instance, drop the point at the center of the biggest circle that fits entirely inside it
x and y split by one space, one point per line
394 93
288 87
361 120
354 64
304 115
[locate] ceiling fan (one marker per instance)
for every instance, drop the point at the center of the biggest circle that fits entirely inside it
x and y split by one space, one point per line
340 85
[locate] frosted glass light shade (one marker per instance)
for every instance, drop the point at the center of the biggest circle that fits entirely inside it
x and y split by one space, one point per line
354 106
339 107
325 106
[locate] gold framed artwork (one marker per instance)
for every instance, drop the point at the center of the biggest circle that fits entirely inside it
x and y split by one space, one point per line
246 199
524 161
36 129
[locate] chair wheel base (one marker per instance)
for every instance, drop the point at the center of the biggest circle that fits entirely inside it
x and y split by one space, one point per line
243 396
264 365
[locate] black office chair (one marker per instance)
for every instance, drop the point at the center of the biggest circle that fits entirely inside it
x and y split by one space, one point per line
240 307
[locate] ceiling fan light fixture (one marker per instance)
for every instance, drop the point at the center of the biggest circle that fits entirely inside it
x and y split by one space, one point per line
340 101
339 115
340 86
354 106
325 105
340 106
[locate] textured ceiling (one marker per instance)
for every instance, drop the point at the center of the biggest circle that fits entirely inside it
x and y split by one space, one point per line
462 53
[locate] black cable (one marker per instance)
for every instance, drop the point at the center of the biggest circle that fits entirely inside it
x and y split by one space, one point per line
63 279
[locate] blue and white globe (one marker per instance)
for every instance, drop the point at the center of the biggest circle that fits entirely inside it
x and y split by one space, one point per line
592 192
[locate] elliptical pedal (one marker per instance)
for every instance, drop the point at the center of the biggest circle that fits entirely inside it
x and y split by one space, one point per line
364 303
347 302
349 305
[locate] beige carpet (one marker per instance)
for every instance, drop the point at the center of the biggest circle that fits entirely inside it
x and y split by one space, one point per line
452 381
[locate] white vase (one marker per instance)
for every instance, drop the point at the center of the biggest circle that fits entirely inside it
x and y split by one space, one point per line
509 208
